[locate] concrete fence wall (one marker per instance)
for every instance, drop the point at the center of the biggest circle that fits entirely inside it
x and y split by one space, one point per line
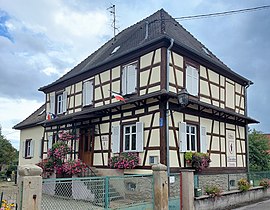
230 199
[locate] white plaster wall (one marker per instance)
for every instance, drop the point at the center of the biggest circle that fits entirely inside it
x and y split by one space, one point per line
36 134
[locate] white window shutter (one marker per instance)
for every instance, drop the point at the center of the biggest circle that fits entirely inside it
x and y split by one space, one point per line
116 139
139 137
84 94
203 140
131 79
91 91
50 140
23 149
32 147
189 79
124 81
52 103
64 101
195 82
182 137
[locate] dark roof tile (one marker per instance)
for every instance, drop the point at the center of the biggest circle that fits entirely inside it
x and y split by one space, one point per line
36 117
160 25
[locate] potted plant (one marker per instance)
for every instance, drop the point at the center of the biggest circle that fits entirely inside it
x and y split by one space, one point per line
197 160
200 161
188 158
126 160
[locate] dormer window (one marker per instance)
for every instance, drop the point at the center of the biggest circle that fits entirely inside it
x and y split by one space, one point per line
206 51
115 50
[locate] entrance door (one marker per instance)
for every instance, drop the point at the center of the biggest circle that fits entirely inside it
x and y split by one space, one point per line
87 146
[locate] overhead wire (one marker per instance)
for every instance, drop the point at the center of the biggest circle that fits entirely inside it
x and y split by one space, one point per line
231 12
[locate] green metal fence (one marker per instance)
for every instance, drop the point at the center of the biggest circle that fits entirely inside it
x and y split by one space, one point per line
123 192
226 182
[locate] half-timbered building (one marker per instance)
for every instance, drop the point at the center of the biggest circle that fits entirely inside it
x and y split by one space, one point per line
149 64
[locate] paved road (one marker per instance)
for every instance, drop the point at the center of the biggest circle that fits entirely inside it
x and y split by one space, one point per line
263 205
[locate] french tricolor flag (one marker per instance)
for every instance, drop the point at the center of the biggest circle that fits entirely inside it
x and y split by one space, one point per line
118 97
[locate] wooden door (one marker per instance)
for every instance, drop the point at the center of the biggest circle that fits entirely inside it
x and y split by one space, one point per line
87 146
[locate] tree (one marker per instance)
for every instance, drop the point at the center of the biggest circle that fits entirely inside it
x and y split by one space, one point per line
259 158
8 154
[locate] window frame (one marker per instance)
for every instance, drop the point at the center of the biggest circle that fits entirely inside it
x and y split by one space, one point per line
59 103
130 137
27 149
189 140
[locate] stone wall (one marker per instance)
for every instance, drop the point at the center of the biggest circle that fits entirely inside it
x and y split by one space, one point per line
232 199
138 188
175 186
225 182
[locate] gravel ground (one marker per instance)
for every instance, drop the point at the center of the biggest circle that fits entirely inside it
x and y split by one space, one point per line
9 190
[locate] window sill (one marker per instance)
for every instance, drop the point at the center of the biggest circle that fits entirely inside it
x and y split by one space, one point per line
28 157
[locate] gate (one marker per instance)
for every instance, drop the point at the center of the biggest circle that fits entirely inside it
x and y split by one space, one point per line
116 192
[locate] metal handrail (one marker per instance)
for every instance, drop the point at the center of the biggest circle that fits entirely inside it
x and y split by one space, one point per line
88 172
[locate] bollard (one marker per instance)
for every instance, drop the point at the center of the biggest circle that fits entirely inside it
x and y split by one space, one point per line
160 187
30 187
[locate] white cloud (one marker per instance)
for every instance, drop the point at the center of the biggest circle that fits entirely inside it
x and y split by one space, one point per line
50 70
12 112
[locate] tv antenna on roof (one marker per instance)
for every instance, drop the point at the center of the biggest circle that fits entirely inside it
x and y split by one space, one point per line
112 11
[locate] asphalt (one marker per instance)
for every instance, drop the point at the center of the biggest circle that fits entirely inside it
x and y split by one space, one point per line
261 205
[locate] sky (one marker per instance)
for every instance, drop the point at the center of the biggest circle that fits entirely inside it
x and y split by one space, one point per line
41 40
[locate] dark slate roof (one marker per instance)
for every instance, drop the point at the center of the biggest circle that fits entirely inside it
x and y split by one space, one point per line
34 119
160 25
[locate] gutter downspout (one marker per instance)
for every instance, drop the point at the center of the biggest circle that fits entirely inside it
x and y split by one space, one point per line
167 107
246 114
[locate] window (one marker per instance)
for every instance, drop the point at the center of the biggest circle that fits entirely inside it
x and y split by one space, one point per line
153 160
58 102
28 148
188 138
129 79
61 103
87 93
192 80
132 138
191 137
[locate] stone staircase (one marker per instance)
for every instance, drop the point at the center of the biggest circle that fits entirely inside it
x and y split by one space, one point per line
97 187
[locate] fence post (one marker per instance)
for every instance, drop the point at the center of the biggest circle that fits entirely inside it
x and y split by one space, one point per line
160 187
188 189
30 187
107 192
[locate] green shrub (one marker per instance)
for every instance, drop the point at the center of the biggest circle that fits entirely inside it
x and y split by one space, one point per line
243 185
213 191
265 183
